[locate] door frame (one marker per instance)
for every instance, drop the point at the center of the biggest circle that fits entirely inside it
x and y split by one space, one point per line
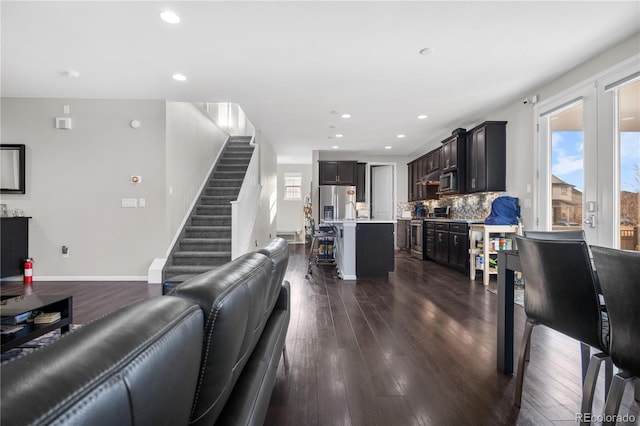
394 186
601 153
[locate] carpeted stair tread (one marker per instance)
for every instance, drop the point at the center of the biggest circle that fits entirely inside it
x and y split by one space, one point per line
205 242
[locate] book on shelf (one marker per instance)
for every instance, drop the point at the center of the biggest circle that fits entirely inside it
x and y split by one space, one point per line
15 319
47 318
10 329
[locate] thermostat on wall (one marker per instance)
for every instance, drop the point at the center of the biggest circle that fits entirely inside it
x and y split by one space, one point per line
63 123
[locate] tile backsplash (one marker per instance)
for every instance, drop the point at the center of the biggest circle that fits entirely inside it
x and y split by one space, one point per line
470 206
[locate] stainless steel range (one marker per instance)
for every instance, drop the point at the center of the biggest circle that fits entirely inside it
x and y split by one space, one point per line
416 238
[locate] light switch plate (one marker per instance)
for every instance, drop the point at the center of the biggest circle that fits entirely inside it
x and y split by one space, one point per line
129 202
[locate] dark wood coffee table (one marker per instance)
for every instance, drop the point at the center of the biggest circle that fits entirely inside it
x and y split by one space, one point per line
15 305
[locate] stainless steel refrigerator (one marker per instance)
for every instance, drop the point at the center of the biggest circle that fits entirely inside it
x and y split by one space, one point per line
337 202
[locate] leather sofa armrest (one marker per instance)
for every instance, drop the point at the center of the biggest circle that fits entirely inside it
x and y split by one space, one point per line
283 302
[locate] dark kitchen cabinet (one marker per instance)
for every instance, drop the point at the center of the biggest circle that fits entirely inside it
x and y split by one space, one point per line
337 172
411 184
449 243
453 158
14 238
374 249
417 172
429 238
433 161
441 243
487 157
404 235
459 246
361 169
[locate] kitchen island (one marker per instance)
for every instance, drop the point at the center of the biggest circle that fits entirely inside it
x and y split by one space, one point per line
364 247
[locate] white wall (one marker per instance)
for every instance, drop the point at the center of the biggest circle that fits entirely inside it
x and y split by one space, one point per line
192 145
520 126
76 179
291 212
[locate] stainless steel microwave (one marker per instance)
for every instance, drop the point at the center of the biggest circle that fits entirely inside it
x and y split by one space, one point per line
449 182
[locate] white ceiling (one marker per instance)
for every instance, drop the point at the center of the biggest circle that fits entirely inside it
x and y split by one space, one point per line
289 64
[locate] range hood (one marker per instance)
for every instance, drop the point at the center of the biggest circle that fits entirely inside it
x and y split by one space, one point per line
432 178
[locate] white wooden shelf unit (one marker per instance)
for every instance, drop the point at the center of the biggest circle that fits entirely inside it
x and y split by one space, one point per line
486 233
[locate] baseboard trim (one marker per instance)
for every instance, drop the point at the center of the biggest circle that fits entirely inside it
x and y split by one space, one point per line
91 278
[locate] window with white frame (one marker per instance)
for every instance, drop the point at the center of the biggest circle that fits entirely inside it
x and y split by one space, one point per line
292 186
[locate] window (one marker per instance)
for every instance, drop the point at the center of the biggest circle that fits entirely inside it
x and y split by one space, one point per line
292 186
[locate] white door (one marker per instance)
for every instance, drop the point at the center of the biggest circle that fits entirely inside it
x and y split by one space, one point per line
589 159
382 192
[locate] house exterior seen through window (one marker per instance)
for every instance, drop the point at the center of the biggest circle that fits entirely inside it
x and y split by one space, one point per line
292 186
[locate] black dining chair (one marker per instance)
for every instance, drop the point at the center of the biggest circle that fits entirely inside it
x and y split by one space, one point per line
585 350
560 292
577 234
619 274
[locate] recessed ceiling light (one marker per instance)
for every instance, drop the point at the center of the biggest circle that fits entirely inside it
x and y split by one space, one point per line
422 116
387 147
339 135
169 17
335 147
179 77
401 136
72 74
346 116
427 51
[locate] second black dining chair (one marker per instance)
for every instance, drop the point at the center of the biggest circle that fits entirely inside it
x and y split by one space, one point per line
560 292
619 274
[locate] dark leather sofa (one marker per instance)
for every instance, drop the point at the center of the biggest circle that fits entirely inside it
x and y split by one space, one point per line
205 354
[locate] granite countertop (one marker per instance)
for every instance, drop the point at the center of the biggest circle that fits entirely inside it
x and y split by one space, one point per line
442 219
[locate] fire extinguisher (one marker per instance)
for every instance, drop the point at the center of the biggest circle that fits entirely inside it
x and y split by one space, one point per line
28 271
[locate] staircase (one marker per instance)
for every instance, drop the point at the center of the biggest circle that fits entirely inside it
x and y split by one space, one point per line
205 241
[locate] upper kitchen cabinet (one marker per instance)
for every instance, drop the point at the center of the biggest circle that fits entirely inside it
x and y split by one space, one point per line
422 175
453 151
361 171
337 172
453 158
486 157
433 161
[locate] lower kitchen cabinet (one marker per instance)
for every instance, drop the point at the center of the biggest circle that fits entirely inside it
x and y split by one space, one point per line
429 238
459 246
441 246
450 244
374 249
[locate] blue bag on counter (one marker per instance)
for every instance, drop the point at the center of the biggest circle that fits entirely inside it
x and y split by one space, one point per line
504 211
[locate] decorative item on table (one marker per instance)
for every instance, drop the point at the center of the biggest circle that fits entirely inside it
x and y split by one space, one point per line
10 329
3 210
16 319
47 318
505 210
18 213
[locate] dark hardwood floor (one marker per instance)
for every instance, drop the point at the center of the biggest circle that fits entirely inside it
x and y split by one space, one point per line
418 348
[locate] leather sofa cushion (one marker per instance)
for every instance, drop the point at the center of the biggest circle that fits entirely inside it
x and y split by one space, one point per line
233 298
138 365
278 251
249 401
